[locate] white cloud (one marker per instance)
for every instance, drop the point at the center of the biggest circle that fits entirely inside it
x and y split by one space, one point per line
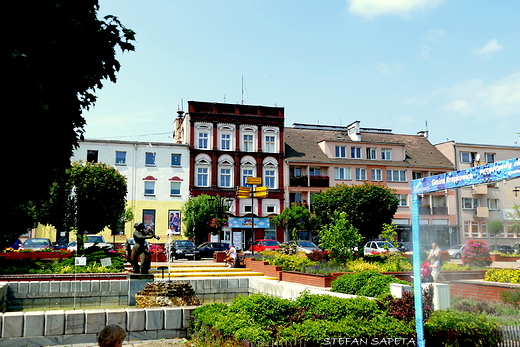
386 69
490 47
374 8
425 52
500 98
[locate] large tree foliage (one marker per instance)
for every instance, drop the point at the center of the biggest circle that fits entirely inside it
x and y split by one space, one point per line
197 214
94 195
367 207
56 55
297 216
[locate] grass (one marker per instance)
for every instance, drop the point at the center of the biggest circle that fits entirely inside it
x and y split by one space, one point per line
506 314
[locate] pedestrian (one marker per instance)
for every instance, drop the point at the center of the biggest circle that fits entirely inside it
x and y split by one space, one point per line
436 251
231 256
435 266
111 336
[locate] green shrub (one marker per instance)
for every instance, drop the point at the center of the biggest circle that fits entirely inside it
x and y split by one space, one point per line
511 297
366 283
291 262
333 308
456 328
263 309
503 275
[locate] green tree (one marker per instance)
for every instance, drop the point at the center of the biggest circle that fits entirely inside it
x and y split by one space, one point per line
57 54
297 216
495 227
96 196
515 216
197 214
339 237
367 207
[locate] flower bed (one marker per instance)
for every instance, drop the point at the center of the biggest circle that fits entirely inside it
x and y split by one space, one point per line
499 257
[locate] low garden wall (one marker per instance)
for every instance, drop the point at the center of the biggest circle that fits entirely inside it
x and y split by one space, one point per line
480 290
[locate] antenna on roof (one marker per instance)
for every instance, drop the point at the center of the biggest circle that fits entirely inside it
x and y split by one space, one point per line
242 89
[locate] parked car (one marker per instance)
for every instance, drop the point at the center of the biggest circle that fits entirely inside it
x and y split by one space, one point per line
456 251
405 247
304 246
184 249
506 249
35 243
90 240
207 249
129 244
265 245
378 247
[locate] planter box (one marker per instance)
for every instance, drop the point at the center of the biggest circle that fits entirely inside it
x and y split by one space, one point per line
35 255
498 257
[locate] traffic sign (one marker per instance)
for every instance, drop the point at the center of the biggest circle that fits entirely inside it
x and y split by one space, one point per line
261 189
244 189
254 180
260 194
243 195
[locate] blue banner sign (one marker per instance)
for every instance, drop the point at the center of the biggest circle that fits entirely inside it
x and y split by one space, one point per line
502 170
246 222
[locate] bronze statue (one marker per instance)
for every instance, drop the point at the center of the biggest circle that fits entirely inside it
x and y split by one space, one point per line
139 251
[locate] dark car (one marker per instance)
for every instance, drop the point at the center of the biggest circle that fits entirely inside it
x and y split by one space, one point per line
36 243
129 245
184 249
506 249
207 249
404 246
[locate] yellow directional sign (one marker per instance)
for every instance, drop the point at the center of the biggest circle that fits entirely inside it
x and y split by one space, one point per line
254 180
244 189
260 194
243 195
260 189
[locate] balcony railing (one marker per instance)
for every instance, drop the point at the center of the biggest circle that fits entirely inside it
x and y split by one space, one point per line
319 181
298 181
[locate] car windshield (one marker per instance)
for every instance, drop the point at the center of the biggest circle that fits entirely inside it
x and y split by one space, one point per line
271 243
95 239
384 244
36 242
184 243
456 247
306 244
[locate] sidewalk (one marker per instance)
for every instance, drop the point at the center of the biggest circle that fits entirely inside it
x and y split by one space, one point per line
495 264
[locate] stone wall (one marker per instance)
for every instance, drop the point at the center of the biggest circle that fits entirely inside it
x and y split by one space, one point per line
480 290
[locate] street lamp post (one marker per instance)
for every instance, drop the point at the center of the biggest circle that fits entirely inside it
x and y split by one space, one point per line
223 205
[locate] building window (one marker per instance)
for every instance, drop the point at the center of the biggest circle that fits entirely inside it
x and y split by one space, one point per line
149 188
248 143
402 199
269 145
120 158
355 152
176 160
469 203
92 156
386 154
417 175
202 177
342 173
175 188
225 177
315 171
248 209
149 159
361 174
246 172
377 174
269 209
203 140
490 157
467 157
341 152
396 175
371 153
270 178
225 141
493 204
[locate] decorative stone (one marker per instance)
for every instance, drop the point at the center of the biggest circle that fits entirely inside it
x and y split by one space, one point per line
161 294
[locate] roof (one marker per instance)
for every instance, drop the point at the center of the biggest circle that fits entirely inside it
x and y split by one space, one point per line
302 145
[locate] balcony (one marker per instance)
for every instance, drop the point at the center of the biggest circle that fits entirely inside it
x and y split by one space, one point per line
480 190
481 212
425 209
319 181
298 181
440 210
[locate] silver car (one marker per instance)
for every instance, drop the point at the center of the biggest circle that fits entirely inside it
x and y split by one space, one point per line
378 247
456 251
304 246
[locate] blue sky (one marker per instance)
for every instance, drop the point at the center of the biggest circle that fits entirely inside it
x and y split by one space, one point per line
450 65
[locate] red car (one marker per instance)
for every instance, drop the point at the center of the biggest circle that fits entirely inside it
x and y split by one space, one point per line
265 245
